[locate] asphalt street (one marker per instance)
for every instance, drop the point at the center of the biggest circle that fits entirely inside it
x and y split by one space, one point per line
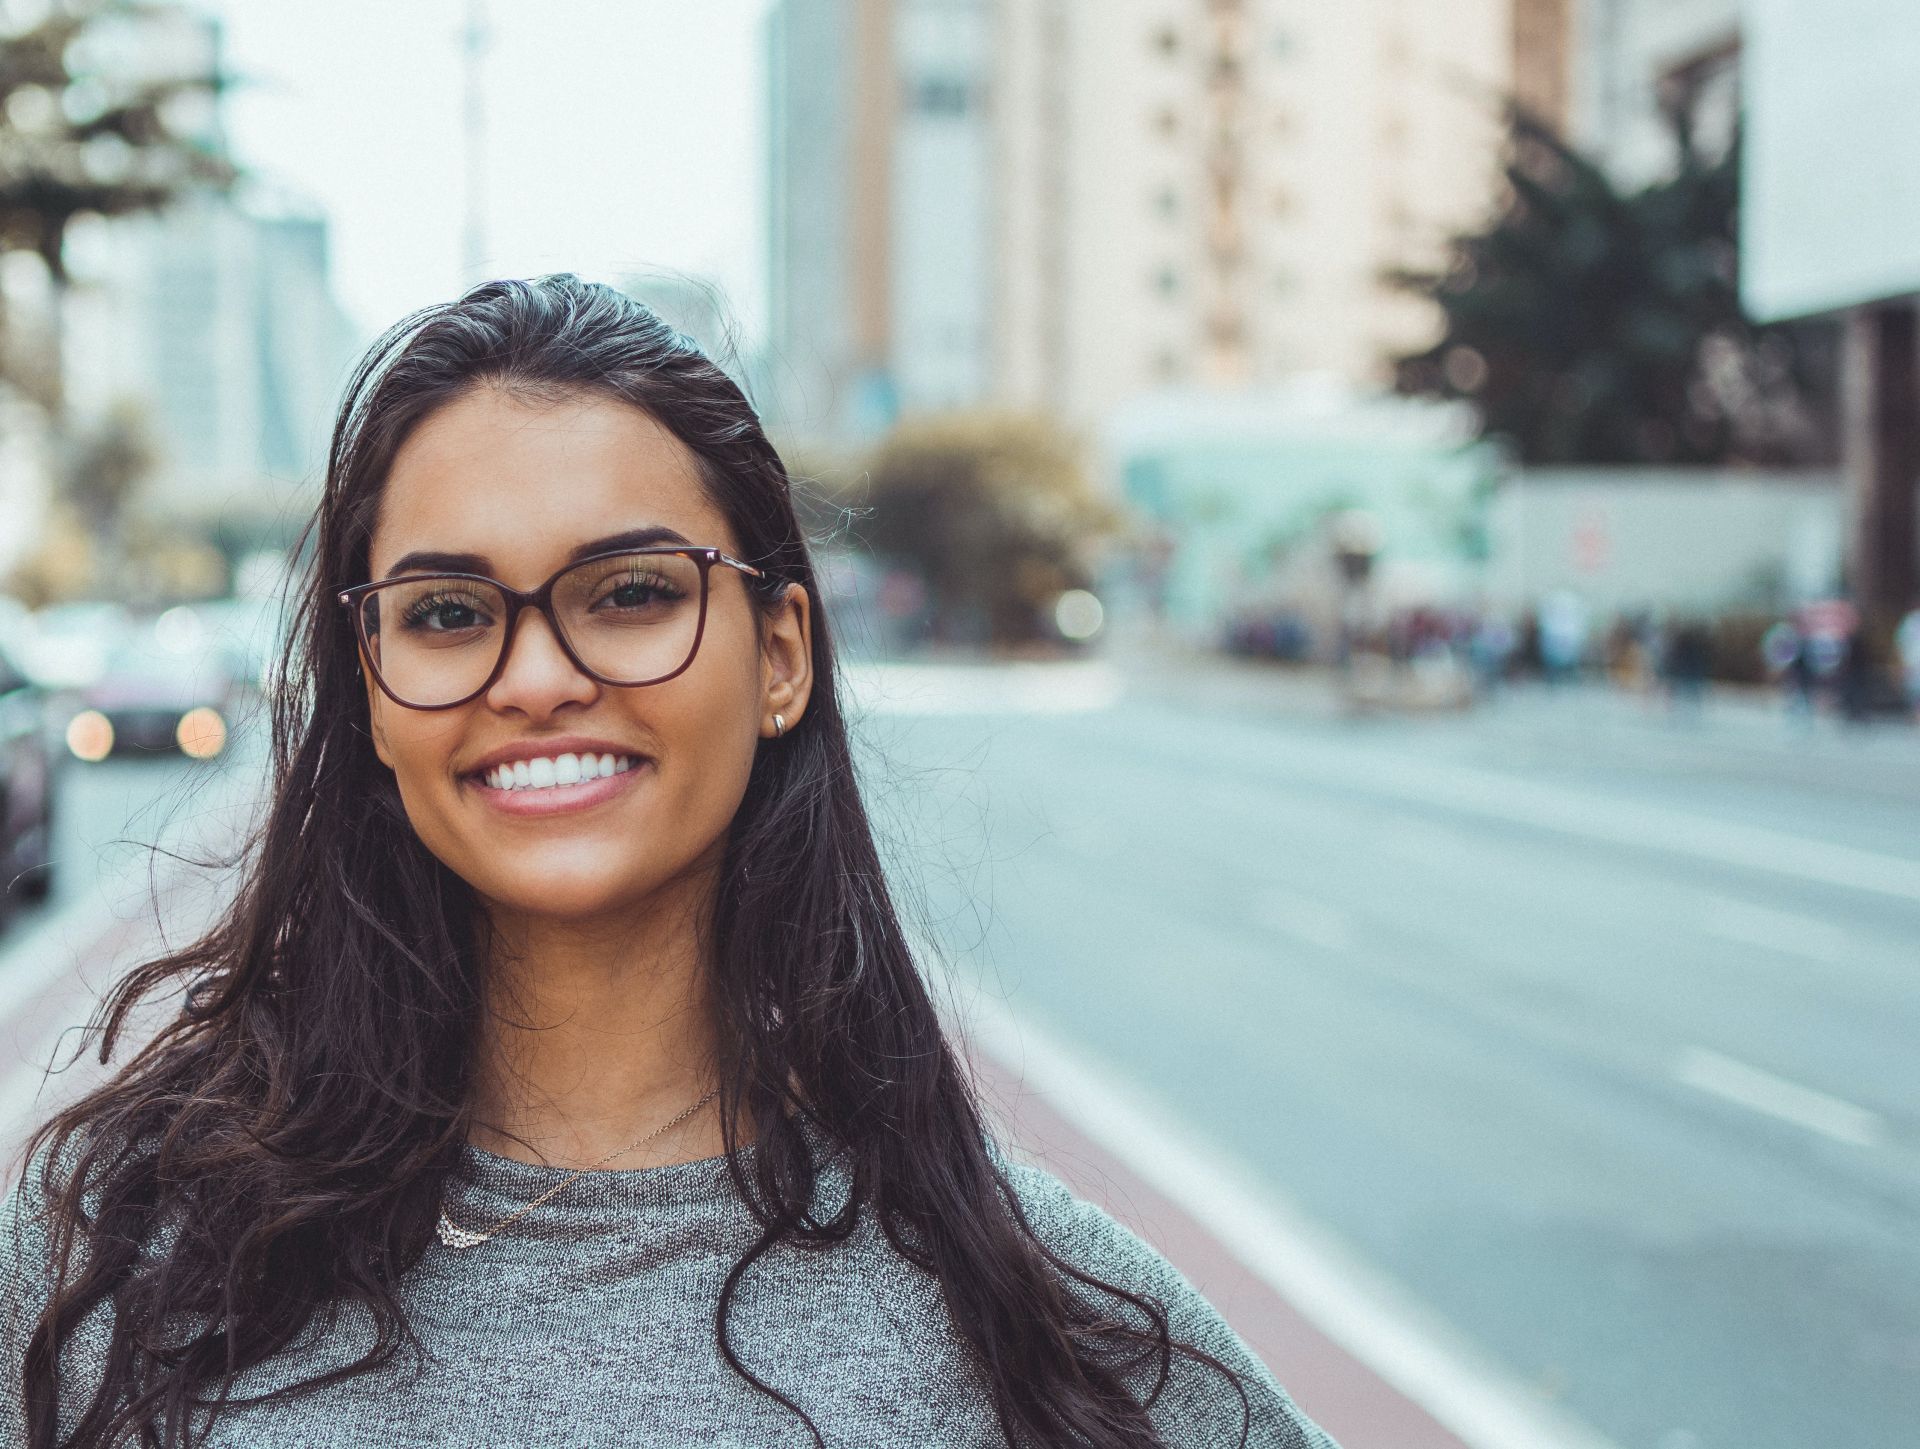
1588 1026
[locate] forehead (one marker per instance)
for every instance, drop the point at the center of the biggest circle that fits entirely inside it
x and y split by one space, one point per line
520 483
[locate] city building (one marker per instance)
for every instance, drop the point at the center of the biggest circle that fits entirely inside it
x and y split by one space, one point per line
1065 204
218 322
831 125
1242 179
1830 223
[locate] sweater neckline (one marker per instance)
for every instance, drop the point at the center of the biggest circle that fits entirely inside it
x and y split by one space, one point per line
493 1181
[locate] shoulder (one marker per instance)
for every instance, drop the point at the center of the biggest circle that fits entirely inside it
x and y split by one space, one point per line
26 1280
1199 1406
26 1253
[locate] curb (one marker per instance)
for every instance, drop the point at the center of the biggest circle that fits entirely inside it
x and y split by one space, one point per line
1371 1365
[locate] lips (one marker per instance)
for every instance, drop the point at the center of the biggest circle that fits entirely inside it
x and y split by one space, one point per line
559 799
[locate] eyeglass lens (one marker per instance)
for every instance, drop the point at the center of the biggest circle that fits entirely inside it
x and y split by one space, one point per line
632 619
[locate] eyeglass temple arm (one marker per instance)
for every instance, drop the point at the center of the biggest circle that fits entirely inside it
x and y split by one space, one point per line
732 562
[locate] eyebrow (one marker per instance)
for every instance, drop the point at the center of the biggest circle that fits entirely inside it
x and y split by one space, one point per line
479 563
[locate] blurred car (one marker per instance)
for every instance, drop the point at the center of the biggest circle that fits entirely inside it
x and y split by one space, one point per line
68 644
28 762
166 687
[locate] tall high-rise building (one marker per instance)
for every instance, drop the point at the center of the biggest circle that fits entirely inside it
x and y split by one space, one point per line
1067 203
1543 32
220 322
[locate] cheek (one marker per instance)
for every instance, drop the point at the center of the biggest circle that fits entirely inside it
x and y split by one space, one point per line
419 749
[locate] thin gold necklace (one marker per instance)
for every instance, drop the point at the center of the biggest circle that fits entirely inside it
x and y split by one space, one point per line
455 1236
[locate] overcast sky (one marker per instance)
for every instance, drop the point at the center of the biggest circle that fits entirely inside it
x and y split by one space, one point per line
623 135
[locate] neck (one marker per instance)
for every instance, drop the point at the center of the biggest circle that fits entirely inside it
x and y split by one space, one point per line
596 1033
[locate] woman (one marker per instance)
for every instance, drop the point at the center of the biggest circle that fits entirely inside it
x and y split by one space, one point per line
560 1073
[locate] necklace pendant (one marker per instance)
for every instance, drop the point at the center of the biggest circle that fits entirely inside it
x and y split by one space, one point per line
455 1236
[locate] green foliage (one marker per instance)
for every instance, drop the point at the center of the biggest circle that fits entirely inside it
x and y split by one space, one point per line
105 465
1592 325
95 119
994 512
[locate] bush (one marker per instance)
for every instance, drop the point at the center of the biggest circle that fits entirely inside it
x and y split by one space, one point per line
996 515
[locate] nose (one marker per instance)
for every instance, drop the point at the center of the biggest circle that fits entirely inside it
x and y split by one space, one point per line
538 677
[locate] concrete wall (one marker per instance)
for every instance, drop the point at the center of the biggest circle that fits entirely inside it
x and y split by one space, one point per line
1705 539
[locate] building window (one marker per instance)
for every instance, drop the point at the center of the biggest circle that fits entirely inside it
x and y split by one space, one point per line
940 96
1166 121
1285 204
1166 40
1166 281
1166 202
1166 365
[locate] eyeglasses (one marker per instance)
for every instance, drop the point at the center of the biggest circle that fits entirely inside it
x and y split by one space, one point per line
635 617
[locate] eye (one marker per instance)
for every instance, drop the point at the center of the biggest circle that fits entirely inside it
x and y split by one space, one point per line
449 611
641 589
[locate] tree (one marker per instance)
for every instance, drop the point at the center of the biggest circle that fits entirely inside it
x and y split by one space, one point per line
1592 325
98 104
994 512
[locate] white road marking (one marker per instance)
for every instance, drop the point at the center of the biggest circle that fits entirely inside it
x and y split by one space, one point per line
1372 1318
1497 796
1064 687
1760 1091
1304 918
1773 929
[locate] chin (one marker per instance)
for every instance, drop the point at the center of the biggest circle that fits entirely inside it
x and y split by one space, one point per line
569 881
562 898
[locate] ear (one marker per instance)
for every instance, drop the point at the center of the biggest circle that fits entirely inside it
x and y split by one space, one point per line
786 661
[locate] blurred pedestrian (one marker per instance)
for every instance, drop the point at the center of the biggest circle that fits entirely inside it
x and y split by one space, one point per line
1491 647
1563 634
1906 645
545 863
1789 660
1687 660
1854 678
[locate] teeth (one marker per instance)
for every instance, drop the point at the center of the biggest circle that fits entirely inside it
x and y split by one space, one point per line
567 769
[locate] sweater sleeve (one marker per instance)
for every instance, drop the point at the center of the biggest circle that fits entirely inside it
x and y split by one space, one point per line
25 1273
1198 1408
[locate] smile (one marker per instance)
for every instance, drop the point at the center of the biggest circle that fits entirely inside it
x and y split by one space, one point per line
544 773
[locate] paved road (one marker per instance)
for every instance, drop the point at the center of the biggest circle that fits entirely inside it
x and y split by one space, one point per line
1595 1028
1591 1028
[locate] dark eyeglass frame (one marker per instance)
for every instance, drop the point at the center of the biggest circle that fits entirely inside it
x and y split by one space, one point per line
541 599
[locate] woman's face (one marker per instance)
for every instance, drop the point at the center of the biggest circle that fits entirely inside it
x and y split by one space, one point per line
519 486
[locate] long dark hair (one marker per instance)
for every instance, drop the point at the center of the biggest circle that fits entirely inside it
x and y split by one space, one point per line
280 1147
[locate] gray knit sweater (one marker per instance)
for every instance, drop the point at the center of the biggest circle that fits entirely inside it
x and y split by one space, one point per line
590 1322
